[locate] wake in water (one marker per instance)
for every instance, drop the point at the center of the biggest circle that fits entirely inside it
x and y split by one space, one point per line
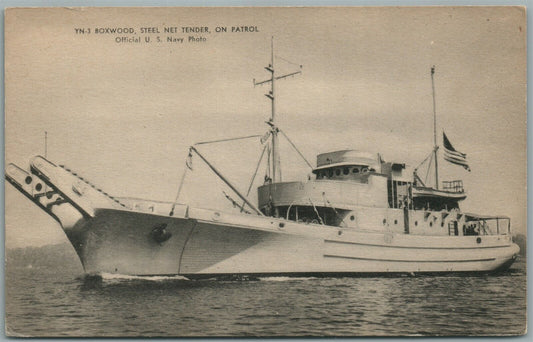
92 281
106 279
115 276
283 279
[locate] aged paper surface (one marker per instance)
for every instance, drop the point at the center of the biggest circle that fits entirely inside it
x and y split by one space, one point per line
117 96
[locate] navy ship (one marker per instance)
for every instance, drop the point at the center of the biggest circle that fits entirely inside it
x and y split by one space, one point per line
357 214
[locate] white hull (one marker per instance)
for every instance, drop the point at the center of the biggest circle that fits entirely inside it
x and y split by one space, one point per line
208 243
112 237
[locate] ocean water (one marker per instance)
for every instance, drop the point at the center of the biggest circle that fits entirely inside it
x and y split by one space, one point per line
56 301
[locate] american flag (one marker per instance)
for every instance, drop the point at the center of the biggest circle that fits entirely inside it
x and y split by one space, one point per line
452 155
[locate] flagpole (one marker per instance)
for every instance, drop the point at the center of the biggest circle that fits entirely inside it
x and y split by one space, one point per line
435 147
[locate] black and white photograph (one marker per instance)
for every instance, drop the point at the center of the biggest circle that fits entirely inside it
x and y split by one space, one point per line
265 171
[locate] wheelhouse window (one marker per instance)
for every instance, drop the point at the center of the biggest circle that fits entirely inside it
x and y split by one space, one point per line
343 172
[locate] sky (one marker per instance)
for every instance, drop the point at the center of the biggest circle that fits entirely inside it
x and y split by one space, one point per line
123 114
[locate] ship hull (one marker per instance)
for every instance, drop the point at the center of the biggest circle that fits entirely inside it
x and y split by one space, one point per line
139 237
212 244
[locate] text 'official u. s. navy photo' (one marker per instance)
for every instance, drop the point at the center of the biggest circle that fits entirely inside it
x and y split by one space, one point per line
267 172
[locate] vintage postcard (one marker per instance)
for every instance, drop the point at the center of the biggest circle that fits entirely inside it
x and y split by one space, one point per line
270 172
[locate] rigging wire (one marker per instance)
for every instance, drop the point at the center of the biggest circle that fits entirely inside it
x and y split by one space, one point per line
429 168
279 166
228 183
430 155
335 210
286 60
255 174
257 168
269 152
228 139
187 166
295 148
423 161
316 211
235 204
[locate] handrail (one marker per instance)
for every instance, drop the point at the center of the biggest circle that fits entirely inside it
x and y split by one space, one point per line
453 186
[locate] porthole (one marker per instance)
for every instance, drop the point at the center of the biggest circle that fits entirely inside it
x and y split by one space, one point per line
352 218
281 224
338 172
28 180
346 171
39 187
364 169
478 240
355 170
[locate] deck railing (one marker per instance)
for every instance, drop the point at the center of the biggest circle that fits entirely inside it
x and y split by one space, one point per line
487 226
453 186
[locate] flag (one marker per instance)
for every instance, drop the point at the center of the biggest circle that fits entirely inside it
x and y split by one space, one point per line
452 155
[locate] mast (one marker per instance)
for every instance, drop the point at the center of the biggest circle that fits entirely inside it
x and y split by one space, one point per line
276 167
435 146
274 130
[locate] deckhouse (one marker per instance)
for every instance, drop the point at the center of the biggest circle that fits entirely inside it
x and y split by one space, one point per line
358 189
345 183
